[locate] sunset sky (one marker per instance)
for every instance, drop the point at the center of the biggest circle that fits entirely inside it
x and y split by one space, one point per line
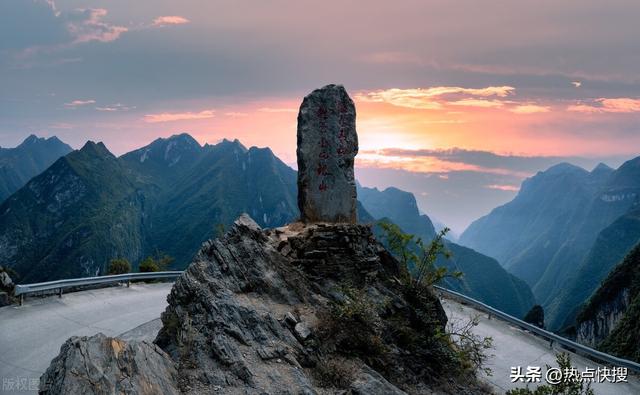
457 101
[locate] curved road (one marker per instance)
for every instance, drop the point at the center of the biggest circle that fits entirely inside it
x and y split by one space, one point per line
31 335
514 347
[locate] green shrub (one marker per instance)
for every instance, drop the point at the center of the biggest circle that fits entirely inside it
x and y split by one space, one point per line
155 264
149 265
413 253
354 327
336 372
119 266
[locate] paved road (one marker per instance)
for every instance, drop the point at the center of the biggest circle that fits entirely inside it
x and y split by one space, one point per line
515 347
31 335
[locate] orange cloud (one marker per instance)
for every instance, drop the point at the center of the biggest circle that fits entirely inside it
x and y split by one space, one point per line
529 109
477 103
179 116
621 104
170 20
429 98
424 164
608 105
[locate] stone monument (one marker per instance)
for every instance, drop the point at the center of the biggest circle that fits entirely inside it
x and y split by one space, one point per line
327 146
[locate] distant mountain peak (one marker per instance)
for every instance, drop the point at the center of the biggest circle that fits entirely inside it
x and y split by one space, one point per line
602 166
233 144
31 139
30 158
183 138
564 167
91 147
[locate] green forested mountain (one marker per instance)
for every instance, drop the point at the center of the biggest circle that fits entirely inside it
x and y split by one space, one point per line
484 279
226 181
18 165
170 196
558 234
72 218
609 249
399 206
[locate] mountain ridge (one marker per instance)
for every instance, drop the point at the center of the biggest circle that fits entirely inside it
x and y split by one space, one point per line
547 232
23 162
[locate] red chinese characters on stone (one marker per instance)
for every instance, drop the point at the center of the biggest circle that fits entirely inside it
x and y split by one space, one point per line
322 169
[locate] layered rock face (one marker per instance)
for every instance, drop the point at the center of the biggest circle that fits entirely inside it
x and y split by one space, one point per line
106 365
593 331
327 146
256 313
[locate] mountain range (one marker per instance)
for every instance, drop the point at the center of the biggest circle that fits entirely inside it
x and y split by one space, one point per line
563 233
18 165
483 277
168 197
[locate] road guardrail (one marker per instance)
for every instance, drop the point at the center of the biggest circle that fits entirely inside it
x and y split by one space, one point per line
552 337
22 290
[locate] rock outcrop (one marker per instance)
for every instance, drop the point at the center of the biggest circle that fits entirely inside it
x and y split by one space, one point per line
106 365
6 288
302 309
327 146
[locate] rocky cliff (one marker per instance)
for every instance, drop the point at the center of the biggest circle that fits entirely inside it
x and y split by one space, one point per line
605 317
304 309
610 320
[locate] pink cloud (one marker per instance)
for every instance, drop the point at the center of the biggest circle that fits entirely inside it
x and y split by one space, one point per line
179 116
170 20
86 25
114 108
608 105
78 103
500 187
433 98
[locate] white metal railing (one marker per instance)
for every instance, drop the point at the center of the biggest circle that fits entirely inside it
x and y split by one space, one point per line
24 289
552 337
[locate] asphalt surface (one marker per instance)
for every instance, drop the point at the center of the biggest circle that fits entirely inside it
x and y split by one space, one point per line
513 347
31 335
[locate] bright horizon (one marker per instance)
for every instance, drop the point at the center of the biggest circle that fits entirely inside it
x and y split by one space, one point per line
457 104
